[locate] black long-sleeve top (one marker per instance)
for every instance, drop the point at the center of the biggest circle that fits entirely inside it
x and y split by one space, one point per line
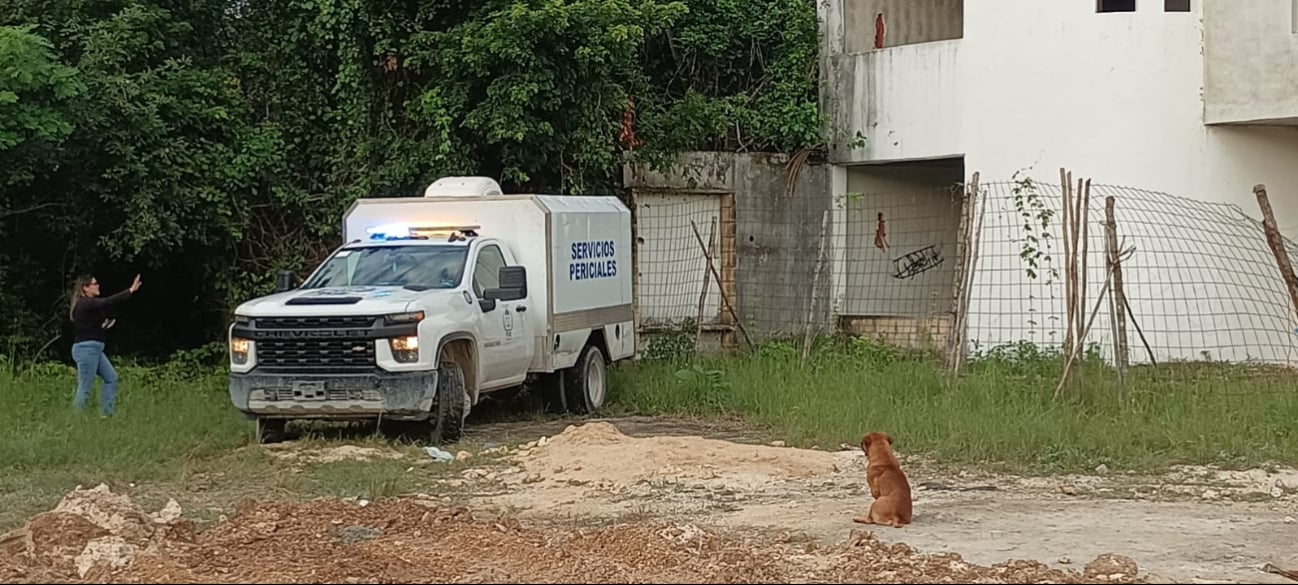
91 313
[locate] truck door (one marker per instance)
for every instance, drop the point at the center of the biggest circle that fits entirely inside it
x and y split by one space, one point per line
507 340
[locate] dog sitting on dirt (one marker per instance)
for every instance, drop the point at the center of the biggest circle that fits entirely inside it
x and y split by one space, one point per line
888 484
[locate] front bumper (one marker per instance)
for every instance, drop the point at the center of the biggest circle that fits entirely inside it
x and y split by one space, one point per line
401 396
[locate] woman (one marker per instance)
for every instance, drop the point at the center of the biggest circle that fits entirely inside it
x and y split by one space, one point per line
90 323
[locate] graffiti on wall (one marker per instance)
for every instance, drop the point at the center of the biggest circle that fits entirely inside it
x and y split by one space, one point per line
918 262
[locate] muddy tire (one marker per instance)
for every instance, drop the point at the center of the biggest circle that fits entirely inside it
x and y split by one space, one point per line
585 384
451 405
270 430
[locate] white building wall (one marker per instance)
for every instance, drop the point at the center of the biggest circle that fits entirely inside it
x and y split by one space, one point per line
907 101
1251 61
1115 97
1034 86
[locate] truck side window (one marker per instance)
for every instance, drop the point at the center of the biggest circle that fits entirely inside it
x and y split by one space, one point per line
486 273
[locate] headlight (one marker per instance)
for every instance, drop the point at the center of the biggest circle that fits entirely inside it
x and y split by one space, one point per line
405 343
398 318
239 348
242 320
405 349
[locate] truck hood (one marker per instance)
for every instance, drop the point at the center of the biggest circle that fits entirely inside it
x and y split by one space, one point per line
345 300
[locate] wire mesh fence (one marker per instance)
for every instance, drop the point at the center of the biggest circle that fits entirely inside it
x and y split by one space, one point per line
671 266
1201 282
930 269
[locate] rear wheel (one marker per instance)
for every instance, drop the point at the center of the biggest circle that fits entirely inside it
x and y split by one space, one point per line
451 405
585 384
554 393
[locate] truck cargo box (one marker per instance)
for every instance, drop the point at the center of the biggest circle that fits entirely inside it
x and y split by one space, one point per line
577 251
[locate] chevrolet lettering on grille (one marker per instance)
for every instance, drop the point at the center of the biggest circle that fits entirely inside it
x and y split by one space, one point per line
311 333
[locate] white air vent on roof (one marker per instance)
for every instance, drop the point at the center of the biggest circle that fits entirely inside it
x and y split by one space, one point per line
463 187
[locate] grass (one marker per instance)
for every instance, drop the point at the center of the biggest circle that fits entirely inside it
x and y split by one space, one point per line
1001 411
163 426
176 435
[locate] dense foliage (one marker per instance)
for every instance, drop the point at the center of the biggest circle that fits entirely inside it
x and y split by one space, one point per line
208 143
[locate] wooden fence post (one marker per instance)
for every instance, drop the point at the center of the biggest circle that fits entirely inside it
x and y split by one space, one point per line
966 249
1119 298
815 287
1276 242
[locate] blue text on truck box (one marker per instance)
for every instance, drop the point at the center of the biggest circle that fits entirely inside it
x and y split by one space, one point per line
592 260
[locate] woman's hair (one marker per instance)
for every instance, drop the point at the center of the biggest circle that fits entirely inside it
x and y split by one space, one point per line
78 293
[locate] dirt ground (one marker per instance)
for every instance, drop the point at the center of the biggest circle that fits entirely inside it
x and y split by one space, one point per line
589 501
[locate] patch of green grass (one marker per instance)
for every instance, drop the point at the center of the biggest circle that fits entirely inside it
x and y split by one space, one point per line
1000 412
174 434
164 425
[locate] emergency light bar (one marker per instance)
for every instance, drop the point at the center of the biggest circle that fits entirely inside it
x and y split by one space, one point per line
399 231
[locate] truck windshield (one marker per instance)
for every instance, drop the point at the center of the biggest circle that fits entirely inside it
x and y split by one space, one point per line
421 267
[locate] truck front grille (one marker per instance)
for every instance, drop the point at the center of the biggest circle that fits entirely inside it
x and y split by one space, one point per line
287 394
336 322
316 355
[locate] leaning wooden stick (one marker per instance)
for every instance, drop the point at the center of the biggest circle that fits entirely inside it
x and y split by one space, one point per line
725 298
707 279
964 249
1077 349
815 286
1084 227
1143 340
1276 242
1274 570
975 241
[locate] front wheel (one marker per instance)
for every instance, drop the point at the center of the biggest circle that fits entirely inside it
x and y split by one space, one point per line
270 430
451 406
585 384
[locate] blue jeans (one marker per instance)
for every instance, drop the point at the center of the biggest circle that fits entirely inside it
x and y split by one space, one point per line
91 361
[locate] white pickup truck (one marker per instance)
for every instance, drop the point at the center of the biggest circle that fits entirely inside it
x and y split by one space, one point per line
435 301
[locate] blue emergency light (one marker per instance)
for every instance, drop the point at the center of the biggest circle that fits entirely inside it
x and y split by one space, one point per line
401 231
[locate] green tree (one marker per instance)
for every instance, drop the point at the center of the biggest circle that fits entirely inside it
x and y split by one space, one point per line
210 143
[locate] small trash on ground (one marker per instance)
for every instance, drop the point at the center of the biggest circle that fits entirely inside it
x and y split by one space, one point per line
439 455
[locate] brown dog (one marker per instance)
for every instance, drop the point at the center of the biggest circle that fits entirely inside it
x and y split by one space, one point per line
888 484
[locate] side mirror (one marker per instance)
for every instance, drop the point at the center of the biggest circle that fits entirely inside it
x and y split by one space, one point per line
513 285
488 304
514 277
284 282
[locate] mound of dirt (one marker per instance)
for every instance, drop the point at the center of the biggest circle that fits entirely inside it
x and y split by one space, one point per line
89 532
416 541
598 452
867 560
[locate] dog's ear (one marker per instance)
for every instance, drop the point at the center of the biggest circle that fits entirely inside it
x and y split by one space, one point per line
865 442
889 439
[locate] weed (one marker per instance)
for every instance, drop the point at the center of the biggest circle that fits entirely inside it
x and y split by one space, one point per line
673 346
709 387
1000 411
